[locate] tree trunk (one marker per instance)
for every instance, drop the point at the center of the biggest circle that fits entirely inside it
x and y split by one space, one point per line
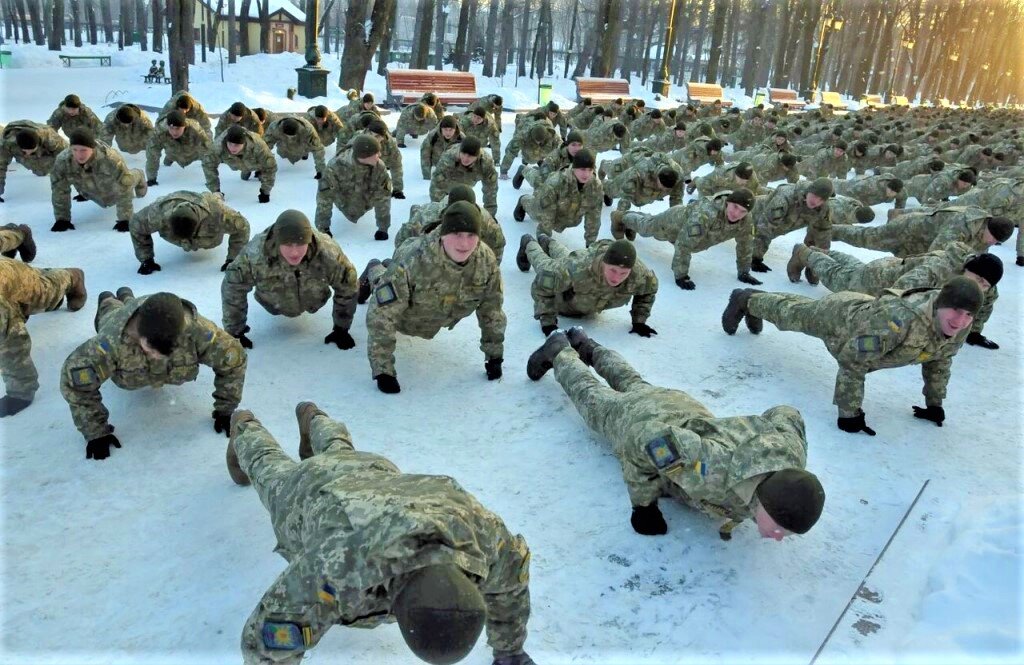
756 37
810 27
459 55
244 47
653 23
264 12
384 56
180 17
440 23
684 27
608 27
360 47
732 39
159 25
698 52
127 22
717 34
140 22
37 15
504 55
76 21
524 39
421 52
493 11
213 26
108 21
56 25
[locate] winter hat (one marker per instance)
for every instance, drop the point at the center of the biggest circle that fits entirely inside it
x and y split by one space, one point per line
377 126
668 177
538 133
126 113
986 266
936 165
470 146
839 145
368 98
175 119
183 221
290 126
419 111
655 114
821 187
440 613
461 217
161 318
681 124
497 100
184 103
861 147
480 111
895 184
449 122
864 214
1001 228
788 160
461 193
238 108
430 99
82 137
293 228
744 170
235 134
741 196
587 101
27 139
961 293
584 159
714 145
320 111
574 136
619 129
552 107
72 102
967 176
364 146
793 498
620 253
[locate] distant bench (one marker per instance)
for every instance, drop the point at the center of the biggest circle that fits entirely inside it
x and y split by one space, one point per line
900 100
874 101
407 86
833 99
705 93
153 78
601 89
786 97
104 59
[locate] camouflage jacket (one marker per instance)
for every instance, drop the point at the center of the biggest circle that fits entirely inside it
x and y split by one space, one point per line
556 160
40 163
345 182
427 217
105 178
193 145
638 185
769 167
408 122
294 148
786 208
215 221
645 126
843 209
433 146
909 168
667 141
560 203
449 172
130 138
196 112
532 152
703 223
724 177
390 156
824 163
255 156
602 137
249 121
85 119
487 131
332 129
870 190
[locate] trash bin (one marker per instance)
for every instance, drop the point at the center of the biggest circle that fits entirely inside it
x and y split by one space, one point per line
543 93
5 59
759 98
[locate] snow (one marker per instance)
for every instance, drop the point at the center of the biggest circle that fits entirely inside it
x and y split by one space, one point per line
154 556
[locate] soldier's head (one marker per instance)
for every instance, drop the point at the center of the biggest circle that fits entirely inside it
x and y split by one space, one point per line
292 233
183 221
460 230
893 186
860 148
83 145
367 102
352 94
234 139
461 193
789 501
863 214
236 111
788 161
936 165
997 230
738 203
839 148
714 147
964 181
366 149
573 142
668 177
28 141
552 110
539 134
419 111
320 115
72 105
498 102
185 103
126 114
583 163
440 613
448 127
619 130
985 269
289 126
430 99
743 173
261 114
469 151
587 101
378 127
680 129
617 262
159 322
175 124
892 152
657 117
779 138
957 305
478 115
819 191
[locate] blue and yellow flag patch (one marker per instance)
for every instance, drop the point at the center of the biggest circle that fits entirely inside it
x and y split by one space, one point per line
327 594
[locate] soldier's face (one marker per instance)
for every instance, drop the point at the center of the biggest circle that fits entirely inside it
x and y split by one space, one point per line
369 161
467 160
889 194
767 527
814 201
961 186
175 132
978 279
779 140
29 152
460 246
234 148
680 133
838 152
149 350
448 133
320 122
293 254
583 176
72 112
81 153
367 105
952 321
475 119
615 275
573 148
234 118
734 212
988 238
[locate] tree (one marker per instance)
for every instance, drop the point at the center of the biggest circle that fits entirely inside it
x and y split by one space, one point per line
181 38
159 23
459 59
609 27
243 27
232 34
76 22
493 11
440 23
421 40
90 19
385 44
360 46
127 23
264 11
56 26
108 21
524 39
717 30
140 22
35 15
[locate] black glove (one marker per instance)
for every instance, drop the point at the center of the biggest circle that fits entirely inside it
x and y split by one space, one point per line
686 283
607 200
62 225
224 267
1020 260
936 414
517 659
387 384
152 182
80 198
643 329
245 341
222 423
263 198
493 368
747 278
148 267
12 405
121 226
549 328
398 195
99 449
1 199
854 424
757 265
340 338
318 176
648 520
977 339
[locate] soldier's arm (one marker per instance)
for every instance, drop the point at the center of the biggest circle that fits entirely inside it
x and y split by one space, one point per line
5 161
142 226
592 215
225 356
267 168
237 228
234 293
547 284
210 163
983 315
492 319
270 136
389 301
936 377
106 133
345 284
745 245
316 146
56 119
507 594
426 151
153 150
81 377
643 297
93 121
60 193
490 184
494 138
872 340
19 373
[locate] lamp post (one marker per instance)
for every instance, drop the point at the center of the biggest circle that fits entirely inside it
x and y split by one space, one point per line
662 84
829 25
904 44
312 77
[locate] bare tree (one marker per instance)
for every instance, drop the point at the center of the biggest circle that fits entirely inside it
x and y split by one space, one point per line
440 23
159 24
56 25
76 21
505 43
384 55
108 20
140 22
180 17
360 46
127 23
264 11
524 39
35 15
424 27
717 30
459 59
493 11
243 27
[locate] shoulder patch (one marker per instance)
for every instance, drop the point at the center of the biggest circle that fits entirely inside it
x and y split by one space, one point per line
286 636
662 452
82 377
327 593
869 344
385 294
103 347
896 325
546 280
694 230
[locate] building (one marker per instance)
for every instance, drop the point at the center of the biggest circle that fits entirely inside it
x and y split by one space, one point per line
287 25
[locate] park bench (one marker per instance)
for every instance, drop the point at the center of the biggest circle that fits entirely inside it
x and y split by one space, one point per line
155 78
103 59
832 98
601 89
407 86
900 100
705 93
874 101
945 103
786 97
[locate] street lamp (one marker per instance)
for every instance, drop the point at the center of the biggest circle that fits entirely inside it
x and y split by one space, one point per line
831 24
661 85
907 44
312 77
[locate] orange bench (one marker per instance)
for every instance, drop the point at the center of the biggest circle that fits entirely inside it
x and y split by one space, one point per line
900 100
406 86
601 89
705 93
786 97
874 101
832 98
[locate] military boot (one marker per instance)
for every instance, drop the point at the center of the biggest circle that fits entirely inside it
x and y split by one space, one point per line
124 293
522 260
364 282
541 360
76 293
797 262
544 240
737 309
619 230
519 213
304 413
580 340
517 179
812 278
27 248
231 457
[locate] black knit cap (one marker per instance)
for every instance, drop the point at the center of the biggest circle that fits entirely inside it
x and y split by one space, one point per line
840 144
480 111
620 253
238 108
936 165
497 100
655 114
293 228
967 176
552 107
470 146
961 293
364 146
861 147
82 137
430 99
419 111
793 498
788 160
741 196
378 127
744 170
584 159
461 193
574 136
440 613
290 126
587 101
619 129
538 133
681 124
822 188
895 184
1001 228
368 97
27 139
864 214
668 177
175 119
987 266
72 102
714 145
161 318
183 221
449 121
460 217
235 134
126 113
320 111
184 103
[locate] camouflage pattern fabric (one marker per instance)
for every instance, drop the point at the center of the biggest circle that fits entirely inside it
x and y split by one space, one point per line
433 146
907 169
249 121
723 178
449 172
131 138
522 141
192 146
556 160
254 156
785 210
929 188
667 141
602 137
409 124
85 119
639 185
917 232
196 112
354 188
870 190
332 129
215 220
105 180
425 218
559 204
645 127
1001 197
768 167
299 146
41 161
487 131
824 164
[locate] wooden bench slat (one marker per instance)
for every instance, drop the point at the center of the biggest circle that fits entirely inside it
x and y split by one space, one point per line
706 93
406 86
602 89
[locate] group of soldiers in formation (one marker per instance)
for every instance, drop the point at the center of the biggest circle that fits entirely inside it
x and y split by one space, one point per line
366 543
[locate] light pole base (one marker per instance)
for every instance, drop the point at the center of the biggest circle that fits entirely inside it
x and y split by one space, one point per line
312 81
661 87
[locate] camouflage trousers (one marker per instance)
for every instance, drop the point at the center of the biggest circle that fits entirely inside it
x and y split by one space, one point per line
120 198
881 238
10 240
841 272
663 226
609 168
413 129
548 223
353 209
533 175
767 229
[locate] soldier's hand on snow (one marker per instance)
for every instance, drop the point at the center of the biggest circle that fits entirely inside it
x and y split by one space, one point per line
977 339
685 283
503 176
263 197
340 338
747 278
99 449
1020 260
245 341
517 659
493 368
758 265
121 226
80 198
318 176
225 265
152 182
12 405
398 195
854 424
148 267
220 194
691 187
648 520
643 329
222 423
62 225
387 384
549 328
936 414
2 199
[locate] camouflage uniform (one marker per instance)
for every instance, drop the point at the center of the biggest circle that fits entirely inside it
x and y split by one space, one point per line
249 121
695 227
85 119
929 188
870 190
1000 197
255 156
354 109
105 180
409 124
785 210
769 167
389 156
580 116
573 284
215 220
286 289
843 209
559 204
196 112
130 138
449 172
556 160
333 128
907 169
724 177
522 140
921 231
645 126
433 146
487 131
423 291
394 523
824 163
638 185
748 135
493 112
354 188
667 141
297 147
720 461
425 218
40 163
695 155
114 353
865 334
602 137
192 146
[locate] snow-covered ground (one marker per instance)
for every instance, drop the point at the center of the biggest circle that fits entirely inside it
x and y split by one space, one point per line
154 556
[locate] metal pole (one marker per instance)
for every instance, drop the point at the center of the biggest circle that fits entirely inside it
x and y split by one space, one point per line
662 84
816 72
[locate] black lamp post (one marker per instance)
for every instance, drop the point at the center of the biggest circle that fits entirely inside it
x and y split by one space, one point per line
662 84
312 77
829 25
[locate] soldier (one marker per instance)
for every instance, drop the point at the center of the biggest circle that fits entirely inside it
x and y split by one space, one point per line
24 291
535 137
389 153
243 151
476 123
699 152
582 115
667 141
647 181
790 207
940 186
604 276
606 136
32 145
566 198
415 119
130 126
923 230
149 341
648 125
181 140
99 174
864 334
907 169
556 160
1003 197
437 140
293 269
727 176
848 210
295 139
415 549
328 125
466 165
830 161
433 282
425 218
355 181
669 443
432 100
751 133
873 189
357 106
190 107
880 157
493 106
239 114
189 220
72 114
772 166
